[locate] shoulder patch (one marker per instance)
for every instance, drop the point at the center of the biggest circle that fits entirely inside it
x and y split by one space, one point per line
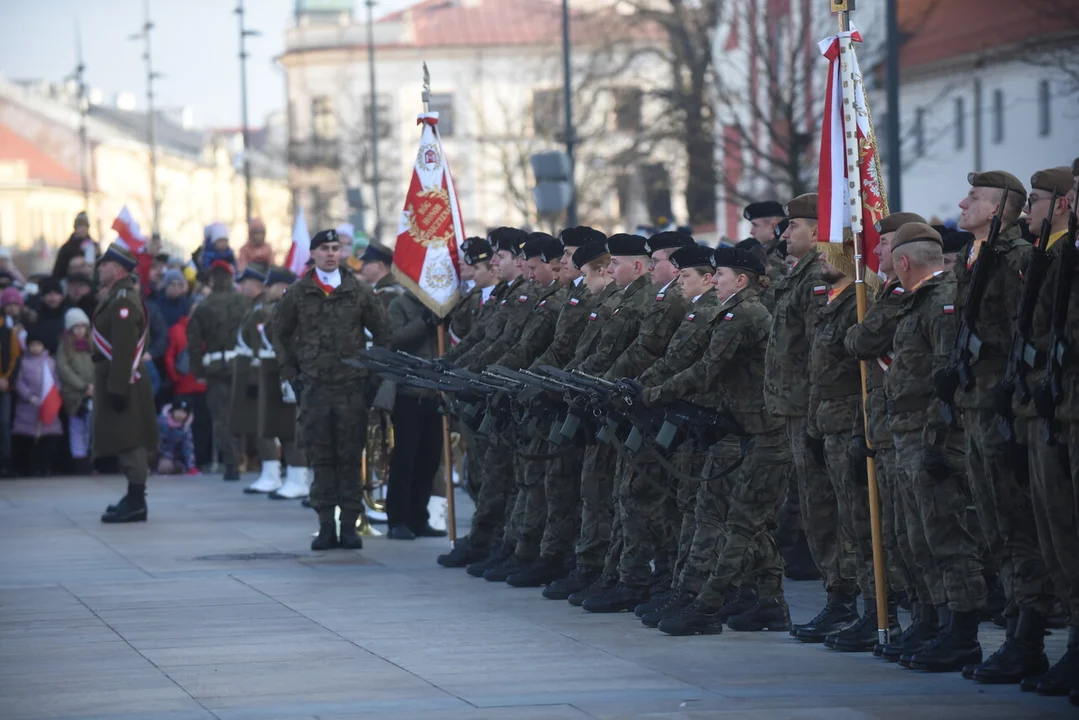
592 316
898 290
820 289
659 297
729 316
689 318
124 312
522 298
949 309
574 301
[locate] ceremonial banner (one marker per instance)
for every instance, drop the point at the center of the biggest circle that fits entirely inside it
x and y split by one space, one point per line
131 236
301 245
430 230
849 181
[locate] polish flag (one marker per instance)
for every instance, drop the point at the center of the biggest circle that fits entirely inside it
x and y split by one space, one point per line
131 235
301 245
50 398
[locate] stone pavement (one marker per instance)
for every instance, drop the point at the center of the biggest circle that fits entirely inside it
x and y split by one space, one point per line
217 609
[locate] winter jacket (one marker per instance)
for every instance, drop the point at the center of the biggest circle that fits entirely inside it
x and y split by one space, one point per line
177 442
70 249
172 309
50 322
182 383
27 386
76 369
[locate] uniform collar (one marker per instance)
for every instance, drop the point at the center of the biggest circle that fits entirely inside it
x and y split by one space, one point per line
331 279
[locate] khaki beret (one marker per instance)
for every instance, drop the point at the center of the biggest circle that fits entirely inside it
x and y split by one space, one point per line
997 179
915 232
803 206
893 222
1058 180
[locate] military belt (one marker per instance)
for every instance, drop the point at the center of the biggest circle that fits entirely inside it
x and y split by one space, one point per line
917 403
853 386
220 356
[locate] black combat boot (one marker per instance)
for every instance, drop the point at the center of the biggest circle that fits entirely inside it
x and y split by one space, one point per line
349 538
956 646
922 630
504 569
601 583
771 614
738 601
675 604
327 536
231 473
697 618
1024 657
1058 680
497 555
540 572
660 582
862 636
944 619
131 508
839 613
462 554
620 598
578 579
1009 632
657 601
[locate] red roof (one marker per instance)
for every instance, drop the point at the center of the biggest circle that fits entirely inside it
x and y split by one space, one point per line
941 30
39 165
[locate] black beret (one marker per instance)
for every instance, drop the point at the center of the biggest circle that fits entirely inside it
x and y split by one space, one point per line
280 275
324 236
737 259
748 244
512 240
781 227
685 229
253 271
475 250
953 240
578 236
377 253
763 209
588 252
626 244
666 240
692 256
543 246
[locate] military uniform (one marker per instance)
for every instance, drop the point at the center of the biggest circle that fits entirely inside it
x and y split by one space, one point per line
244 413
211 341
386 289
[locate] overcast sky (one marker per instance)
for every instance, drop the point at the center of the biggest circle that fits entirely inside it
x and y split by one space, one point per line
195 46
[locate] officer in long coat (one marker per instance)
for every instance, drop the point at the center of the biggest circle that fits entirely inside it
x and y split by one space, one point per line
124 422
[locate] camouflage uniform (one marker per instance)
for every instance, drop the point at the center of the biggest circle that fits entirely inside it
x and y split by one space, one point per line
211 340
277 419
313 333
464 314
244 415
938 534
998 486
839 519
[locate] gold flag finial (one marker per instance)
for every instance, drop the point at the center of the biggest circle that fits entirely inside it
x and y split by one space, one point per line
842 5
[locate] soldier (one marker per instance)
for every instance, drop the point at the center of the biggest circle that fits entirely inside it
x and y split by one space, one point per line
316 326
954 242
377 262
929 455
211 340
124 422
475 259
871 341
799 298
766 226
658 324
997 470
1052 480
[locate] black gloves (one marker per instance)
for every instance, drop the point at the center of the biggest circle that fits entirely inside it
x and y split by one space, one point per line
816 449
945 383
935 462
861 449
118 402
252 391
431 319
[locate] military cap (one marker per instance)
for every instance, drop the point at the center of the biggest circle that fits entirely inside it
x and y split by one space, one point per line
588 252
893 222
803 206
280 275
763 209
324 236
1058 180
997 179
475 250
913 232
626 244
543 246
737 259
692 256
781 227
253 271
578 236
666 240
748 244
120 255
377 253
685 229
512 240
954 240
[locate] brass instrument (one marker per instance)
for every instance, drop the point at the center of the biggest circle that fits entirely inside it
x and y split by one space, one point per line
375 466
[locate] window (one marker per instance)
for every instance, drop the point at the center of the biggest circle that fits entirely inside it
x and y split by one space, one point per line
998 116
547 112
442 103
960 124
323 122
382 109
627 109
1044 127
919 132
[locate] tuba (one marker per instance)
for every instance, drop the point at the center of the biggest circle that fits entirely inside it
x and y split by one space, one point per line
375 466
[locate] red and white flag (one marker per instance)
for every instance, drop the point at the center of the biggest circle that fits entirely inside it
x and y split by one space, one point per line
50 398
130 234
849 184
301 245
425 259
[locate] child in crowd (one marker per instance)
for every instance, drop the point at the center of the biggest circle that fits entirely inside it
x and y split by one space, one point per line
217 246
177 450
76 367
37 374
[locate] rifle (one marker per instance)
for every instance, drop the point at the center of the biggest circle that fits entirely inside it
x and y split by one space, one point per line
967 347
1024 355
1059 353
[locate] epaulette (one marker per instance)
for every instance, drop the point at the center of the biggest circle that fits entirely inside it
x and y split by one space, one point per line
122 293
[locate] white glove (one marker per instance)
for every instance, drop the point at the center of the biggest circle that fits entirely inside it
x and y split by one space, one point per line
287 395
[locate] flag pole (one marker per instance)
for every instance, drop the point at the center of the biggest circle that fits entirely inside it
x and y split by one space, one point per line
447 450
843 8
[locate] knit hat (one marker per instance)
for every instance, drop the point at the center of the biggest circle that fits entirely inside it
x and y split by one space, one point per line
73 317
172 276
49 285
10 296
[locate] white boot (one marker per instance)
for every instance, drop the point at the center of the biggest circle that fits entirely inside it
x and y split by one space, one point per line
296 485
269 480
436 509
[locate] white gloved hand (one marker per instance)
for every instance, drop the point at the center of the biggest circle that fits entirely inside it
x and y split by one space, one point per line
287 395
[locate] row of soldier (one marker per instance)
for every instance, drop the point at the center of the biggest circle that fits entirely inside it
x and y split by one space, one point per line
688 541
